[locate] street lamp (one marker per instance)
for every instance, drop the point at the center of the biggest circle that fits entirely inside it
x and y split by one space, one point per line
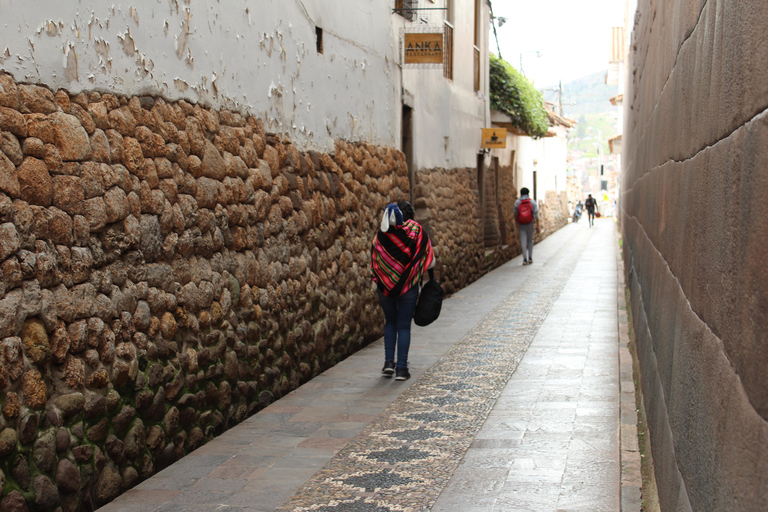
497 20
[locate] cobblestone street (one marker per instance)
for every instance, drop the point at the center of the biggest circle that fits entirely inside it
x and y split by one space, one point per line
513 405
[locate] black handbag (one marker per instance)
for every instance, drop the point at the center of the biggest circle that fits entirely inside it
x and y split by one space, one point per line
430 302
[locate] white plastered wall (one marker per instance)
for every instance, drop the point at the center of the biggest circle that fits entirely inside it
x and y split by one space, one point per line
547 156
448 114
254 56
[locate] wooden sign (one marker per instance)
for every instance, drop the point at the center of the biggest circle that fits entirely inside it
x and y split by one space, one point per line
424 48
495 138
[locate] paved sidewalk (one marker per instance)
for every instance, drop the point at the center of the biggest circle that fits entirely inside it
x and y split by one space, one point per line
513 405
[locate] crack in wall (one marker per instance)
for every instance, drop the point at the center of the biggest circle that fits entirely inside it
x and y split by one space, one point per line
674 64
754 119
655 378
708 330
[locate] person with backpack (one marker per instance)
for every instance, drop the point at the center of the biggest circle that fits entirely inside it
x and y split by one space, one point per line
526 215
400 253
591 205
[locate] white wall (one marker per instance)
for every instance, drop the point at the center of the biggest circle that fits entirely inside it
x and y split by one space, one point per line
253 56
546 156
448 114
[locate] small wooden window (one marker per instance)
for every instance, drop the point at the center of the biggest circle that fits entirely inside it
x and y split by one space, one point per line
448 51
477 68
406 8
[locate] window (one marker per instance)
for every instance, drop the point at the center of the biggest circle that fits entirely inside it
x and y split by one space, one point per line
406 8
477 68
319 39
448 51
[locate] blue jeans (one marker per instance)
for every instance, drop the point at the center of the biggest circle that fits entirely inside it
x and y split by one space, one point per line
398 313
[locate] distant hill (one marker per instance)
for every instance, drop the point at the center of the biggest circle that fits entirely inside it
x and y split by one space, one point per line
588 95
587 100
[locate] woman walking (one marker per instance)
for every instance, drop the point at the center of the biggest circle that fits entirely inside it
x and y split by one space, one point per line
400 253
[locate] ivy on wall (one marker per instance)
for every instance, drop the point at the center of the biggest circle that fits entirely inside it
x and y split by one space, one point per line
516 96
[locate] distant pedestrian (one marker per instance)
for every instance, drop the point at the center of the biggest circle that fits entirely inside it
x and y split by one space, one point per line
400 254
527 216
591 205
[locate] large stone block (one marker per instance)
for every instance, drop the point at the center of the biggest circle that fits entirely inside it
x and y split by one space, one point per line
9 240
133 157
36 99
9 181
10 145
9 92
35 340
116 204
12 121
11 317
70 137
35 183
100 151
68 194
34 389
213 165
123 121
95 211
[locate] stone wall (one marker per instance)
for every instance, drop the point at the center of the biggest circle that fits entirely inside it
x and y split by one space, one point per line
165 271
693 210
447 204
553 212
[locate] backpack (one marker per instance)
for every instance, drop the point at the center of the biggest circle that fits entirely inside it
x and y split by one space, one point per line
525 212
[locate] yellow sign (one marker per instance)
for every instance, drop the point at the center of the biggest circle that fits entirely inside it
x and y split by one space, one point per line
424 48
495 138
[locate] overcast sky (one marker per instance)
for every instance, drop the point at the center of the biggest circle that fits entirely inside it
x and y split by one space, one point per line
572 36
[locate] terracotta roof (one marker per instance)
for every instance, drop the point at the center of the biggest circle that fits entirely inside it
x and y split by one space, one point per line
502 120
614 140
556 119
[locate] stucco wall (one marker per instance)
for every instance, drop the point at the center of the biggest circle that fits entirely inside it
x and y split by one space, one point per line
255 57
694 204
549 155
448 113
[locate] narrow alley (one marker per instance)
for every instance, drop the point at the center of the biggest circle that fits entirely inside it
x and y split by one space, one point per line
513 404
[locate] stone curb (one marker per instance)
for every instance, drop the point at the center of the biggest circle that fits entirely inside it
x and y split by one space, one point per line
631 465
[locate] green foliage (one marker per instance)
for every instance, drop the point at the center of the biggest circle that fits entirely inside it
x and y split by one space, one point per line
516 96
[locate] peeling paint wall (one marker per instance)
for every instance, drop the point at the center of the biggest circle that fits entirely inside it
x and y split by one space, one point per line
256 57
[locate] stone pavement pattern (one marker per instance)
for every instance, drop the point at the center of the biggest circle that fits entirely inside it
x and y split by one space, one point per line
513 405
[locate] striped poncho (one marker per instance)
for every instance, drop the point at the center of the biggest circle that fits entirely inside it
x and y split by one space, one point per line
392 251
